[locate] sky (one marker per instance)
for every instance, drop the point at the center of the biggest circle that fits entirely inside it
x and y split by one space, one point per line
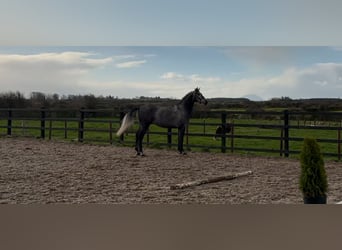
259 49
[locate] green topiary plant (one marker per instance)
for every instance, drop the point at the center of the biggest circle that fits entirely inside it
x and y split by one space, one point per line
313 179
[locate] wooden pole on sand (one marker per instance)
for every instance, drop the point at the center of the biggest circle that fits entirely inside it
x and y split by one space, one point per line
210 180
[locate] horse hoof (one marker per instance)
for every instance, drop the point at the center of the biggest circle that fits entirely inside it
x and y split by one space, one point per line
140 154
182 153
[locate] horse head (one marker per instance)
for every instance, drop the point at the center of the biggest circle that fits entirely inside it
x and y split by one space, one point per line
198 97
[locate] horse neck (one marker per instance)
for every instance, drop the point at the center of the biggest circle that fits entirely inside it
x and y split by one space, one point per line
188 103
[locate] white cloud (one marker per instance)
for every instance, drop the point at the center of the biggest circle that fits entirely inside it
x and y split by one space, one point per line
47 72
130 64
189 78
317 81
64 59
173 76
74 72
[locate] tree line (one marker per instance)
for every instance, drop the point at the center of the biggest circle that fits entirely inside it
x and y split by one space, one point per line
55 101
90 101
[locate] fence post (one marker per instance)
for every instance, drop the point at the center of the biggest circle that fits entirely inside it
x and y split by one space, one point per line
281 142
65 129
232 138
169 137
50 129
122 115
42 123
81 126
339 143
204 125
9 122
110 132
223 136
286 133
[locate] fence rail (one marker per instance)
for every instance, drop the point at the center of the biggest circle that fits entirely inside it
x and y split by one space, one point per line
78 123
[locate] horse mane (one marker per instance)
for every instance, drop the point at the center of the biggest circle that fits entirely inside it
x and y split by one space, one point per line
188 94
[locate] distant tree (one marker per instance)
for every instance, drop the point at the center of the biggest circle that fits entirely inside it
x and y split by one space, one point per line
286 98
90 102
12 100
38 100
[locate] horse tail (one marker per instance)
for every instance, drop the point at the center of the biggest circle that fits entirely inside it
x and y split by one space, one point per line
127 122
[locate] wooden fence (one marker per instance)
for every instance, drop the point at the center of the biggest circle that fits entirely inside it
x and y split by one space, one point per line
14 122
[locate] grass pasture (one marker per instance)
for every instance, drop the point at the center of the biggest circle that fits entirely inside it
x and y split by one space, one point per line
250 136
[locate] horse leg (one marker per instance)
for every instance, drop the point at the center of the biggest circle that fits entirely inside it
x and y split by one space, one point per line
138 148
181 132
139 139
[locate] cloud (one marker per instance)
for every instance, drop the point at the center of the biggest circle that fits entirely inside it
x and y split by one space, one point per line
47 72
173 76
319 80
62 60
130 64
76 73
126 62
188 78
322 80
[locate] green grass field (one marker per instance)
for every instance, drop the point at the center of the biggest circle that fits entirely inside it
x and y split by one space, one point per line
205 142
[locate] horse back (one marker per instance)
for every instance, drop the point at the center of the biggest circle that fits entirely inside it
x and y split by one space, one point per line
164 116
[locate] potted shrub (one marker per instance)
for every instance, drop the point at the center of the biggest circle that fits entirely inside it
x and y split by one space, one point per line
313 179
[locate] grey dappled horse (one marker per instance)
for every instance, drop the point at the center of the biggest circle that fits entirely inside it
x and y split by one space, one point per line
176 116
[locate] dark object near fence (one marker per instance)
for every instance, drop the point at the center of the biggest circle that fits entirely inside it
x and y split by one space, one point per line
175 116
313 179
221 130
210 180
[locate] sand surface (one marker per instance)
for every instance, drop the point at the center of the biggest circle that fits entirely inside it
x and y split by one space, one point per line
34 171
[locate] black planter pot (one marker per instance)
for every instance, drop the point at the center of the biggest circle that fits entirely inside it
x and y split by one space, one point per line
315 200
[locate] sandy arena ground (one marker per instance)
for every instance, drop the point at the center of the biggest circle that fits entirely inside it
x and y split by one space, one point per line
39 172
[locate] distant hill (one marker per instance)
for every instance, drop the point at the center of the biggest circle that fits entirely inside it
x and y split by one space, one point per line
227 99
253 97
